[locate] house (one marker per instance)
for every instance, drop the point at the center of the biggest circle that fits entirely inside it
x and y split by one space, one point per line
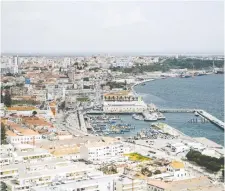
17 134
177 168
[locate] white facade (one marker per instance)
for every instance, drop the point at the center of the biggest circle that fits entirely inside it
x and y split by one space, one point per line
123 63
46 174
124 107
23 139
178 172
129 184
102 152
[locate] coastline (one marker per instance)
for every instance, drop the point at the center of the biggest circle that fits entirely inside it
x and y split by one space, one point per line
183 130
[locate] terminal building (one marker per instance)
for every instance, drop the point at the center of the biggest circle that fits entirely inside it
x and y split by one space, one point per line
123 102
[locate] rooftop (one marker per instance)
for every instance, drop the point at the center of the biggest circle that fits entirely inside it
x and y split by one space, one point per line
177 164
22 108
193 184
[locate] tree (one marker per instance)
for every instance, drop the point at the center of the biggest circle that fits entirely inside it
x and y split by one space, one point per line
157 172
3 134
2 98
34 113
223 174
7 99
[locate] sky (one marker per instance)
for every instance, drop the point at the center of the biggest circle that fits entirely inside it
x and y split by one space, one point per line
68 27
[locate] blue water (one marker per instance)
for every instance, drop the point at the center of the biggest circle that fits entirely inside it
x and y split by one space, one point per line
202 92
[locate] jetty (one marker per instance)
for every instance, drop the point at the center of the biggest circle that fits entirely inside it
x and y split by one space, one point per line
201 113
211 118
177 110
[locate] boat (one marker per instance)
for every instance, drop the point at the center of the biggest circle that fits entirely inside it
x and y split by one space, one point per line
143 84
137 117
114 118
160 116
150 117
186 76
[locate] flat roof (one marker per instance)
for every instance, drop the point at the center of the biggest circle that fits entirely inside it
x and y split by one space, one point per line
196 184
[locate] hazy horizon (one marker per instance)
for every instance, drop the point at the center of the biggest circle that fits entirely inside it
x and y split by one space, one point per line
142 28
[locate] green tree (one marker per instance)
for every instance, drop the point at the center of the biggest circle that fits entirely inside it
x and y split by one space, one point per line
7 99
34 113
157 172
3 134
2 98
223 174
213 166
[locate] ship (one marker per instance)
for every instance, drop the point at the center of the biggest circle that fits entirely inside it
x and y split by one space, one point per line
137 117
150 117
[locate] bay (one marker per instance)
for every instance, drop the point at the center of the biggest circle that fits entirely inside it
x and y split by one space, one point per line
201 92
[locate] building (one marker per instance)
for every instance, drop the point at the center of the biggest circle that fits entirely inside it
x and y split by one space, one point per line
177 169
100 151
103 183
17 134
123 63
123 102
131 184
45 173
196 184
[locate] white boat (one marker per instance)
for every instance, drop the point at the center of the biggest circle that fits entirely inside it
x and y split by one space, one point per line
137 117
160 116
150 117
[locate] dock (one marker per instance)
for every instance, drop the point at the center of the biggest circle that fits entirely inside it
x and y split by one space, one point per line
211 118
177 110
201 112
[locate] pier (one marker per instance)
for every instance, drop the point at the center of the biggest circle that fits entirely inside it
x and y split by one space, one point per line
200 112
177 110
211 118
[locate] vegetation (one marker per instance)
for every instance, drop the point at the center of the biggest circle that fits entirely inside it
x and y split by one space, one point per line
25 102
94 69
3 134
87 87
109 169
210 163
172 64
137 157
34 113
145 171
7 99
9 74
86 79
157 172
113 85
83 99
62 105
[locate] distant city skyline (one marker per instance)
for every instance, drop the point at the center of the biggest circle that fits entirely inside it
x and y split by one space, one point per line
84 28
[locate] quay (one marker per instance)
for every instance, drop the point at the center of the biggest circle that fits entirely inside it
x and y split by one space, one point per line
201 112
177 110
211 118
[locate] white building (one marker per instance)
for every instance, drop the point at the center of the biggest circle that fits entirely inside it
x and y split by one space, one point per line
123 63
99 152
66 62
44 173
177 168
124 107
103 183
125 184
123 102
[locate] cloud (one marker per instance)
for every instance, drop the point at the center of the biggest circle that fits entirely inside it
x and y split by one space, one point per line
117 18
